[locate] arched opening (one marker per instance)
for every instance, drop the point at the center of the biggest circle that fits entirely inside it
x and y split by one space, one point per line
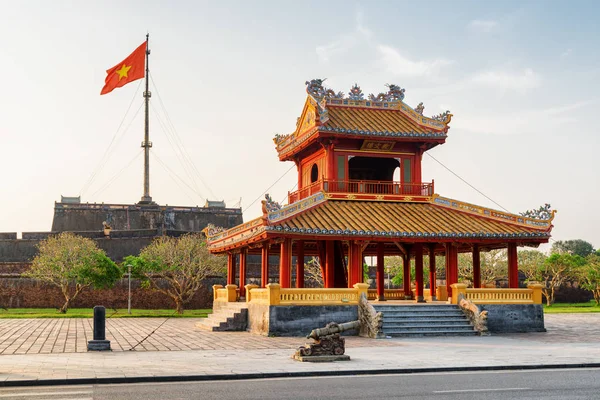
314 173
396 175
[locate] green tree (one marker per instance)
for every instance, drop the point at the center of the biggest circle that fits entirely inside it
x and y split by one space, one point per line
493 266
313 274
531 263
182 263
553 272
589 276
577 246
397 270
73 263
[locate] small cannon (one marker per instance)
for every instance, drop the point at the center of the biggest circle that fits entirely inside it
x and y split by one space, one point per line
328 344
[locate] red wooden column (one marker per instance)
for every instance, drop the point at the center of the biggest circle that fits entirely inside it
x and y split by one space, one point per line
285 263
406 276
419 273
513 266
432 277
476 267
380 271
300 264
451 266
264 266
231 269
329 264
330 162
243 255
355 264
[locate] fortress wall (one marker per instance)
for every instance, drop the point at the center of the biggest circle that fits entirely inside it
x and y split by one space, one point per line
24 292
89 217
18 250
8 235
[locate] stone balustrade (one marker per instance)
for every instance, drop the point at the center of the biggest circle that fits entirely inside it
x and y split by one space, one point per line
531 295
389 294
275 295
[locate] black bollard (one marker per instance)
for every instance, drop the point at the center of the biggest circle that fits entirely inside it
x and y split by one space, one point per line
99 343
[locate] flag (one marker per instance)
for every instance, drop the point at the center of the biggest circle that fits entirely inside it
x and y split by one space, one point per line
130 69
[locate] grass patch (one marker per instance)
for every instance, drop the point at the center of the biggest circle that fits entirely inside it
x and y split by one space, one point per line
558 308
89 313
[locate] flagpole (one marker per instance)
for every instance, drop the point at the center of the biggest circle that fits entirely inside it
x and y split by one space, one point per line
147 144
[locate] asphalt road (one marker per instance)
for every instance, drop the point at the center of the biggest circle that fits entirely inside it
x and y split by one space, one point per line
540 384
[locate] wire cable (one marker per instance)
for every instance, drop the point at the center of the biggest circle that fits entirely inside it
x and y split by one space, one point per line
111 180
178 140
473 187
269 188
106 154
177 176
180 157
163 165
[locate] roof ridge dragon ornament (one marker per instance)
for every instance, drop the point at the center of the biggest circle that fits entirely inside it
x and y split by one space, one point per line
395 93
544 213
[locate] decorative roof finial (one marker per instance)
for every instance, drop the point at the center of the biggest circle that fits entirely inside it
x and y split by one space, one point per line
395 93
420 108
316 89
355 93
269 204
544 212
443 117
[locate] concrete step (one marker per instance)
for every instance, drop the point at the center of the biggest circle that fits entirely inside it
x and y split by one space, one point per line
226 318
424 320
430 333
436 307
418 314
429 328
397 319
428 323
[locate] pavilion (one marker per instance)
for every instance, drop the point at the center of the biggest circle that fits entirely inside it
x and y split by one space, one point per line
360 193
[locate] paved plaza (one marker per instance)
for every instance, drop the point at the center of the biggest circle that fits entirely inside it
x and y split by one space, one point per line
54 349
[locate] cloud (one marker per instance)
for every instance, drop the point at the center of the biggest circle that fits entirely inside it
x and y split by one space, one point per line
397 63
338 46
525 80
360 26
343 43
520 121
483 25
566 53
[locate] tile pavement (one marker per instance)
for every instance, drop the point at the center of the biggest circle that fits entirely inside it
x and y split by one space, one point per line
45 336
41 350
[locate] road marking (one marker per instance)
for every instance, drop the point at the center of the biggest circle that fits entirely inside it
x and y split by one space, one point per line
480 390
45 394
77 387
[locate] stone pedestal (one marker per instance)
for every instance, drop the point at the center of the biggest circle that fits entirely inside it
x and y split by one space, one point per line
99 343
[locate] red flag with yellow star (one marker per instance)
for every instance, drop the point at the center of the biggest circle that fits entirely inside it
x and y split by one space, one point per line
128 70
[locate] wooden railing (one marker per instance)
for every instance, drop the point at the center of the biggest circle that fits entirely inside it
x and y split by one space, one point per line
389 294
531 295
275 295
363 187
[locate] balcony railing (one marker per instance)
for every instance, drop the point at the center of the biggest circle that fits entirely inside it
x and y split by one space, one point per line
363 187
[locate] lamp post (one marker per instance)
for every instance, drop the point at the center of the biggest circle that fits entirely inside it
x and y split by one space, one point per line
129 289
387 267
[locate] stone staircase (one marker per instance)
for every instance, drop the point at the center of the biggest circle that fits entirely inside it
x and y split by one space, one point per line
226 317
424 320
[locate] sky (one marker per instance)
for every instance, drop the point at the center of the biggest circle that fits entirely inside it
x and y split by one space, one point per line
522 79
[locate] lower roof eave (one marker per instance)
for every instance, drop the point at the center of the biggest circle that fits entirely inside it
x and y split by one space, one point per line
257 241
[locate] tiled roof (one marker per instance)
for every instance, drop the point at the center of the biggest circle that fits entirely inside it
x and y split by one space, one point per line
372 120
389 219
